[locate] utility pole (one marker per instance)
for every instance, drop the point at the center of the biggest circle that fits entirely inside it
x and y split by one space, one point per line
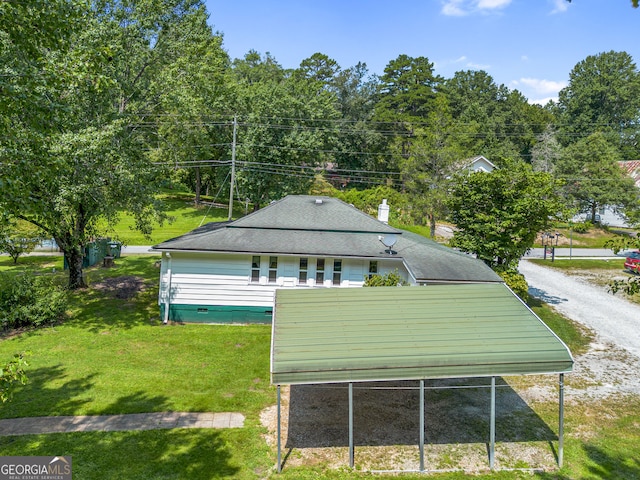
233 165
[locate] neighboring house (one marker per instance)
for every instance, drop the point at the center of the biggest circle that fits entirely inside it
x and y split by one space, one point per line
606 215
477 164
229 271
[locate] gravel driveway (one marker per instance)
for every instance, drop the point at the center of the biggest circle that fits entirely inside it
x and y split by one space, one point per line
612 364
615 320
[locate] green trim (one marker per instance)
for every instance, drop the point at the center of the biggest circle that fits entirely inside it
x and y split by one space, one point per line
217 314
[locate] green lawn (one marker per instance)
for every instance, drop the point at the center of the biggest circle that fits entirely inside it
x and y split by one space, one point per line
113 355
185 217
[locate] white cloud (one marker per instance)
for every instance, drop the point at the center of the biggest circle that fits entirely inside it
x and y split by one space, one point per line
539 91
458 8
492 4
559 6
542 101
541 86
453 8
478 66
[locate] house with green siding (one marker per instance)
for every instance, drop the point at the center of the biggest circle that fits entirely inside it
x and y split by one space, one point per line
229 271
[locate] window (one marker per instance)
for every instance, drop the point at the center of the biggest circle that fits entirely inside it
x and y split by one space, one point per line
255 269
337 272
373 268
302 272
320 271
273 269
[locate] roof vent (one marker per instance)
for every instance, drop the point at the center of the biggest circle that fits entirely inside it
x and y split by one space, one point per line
319 201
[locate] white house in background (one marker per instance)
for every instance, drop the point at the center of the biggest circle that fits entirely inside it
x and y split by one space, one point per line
229 271
607 216
477 164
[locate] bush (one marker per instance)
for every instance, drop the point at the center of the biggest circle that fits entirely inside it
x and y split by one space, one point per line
391 279
582 227
516 282
30 300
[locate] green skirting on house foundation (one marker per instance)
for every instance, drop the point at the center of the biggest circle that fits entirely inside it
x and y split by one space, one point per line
217 314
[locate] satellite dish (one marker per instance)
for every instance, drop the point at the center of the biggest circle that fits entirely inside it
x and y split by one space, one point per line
389 241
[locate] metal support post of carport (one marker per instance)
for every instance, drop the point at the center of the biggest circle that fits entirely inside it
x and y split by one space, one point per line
279 467
561 421
492 425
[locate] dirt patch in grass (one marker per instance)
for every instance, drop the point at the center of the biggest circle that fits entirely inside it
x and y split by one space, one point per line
124 288
387 425
314 418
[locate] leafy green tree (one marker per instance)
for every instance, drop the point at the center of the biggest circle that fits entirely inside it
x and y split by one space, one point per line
194 128
358 145
282 132
493 120
593 179
499 214
92 160
18 237
603 94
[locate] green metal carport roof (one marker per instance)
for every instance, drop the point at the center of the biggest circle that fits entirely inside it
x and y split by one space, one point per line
409 333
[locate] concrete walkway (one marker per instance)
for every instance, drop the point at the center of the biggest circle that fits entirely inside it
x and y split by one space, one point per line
113 423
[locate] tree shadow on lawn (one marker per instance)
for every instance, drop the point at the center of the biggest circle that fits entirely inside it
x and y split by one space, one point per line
39 398
100 306
603 465
49 393
176 453
387 413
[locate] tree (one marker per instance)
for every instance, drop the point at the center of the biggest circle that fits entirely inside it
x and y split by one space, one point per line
283 130
499 214
194 130
603 95
92 161
431 160
493 120
18 237
546 152
593 179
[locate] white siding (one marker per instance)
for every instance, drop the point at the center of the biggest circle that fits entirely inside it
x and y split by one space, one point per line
218 279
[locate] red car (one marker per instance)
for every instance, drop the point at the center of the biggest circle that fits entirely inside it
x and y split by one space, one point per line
632 263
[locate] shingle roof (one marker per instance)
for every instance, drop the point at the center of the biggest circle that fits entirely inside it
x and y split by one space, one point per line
297 225
305 212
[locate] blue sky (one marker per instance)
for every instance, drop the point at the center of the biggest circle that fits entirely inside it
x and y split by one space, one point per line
529 45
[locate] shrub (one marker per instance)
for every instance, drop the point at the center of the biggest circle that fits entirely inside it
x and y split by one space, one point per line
30 300
391 279
582 227
12 374
516 282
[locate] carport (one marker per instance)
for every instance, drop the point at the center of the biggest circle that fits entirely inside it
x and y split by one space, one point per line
411 333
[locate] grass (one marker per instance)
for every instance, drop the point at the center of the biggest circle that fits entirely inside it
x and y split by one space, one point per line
185 217
577 264
594 238
114 356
